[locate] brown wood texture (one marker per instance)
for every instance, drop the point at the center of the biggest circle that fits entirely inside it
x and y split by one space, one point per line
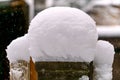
63 70
116 67
33 73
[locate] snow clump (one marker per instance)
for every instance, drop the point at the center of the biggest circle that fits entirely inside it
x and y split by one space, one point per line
103 60
18 50
62 34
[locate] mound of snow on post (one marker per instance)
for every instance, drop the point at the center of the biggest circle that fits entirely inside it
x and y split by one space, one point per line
63 34
105 53
18 49
103 60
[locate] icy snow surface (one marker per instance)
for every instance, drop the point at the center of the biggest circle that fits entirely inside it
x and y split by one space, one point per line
63 34
18 50
103 60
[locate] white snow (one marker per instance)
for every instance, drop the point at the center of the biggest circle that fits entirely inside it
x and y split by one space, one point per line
84 77
104 53
103 60
62 33
93 3
108 31
103 72
18 50
102 2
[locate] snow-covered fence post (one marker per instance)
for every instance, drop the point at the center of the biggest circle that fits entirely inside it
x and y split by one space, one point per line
67 38
62 34
19 57
103 61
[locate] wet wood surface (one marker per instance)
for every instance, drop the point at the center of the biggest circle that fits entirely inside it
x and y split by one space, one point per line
116 67
63 70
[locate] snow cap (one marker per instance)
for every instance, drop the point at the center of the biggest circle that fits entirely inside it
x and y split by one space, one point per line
103 60
105 53
18 49
62 33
